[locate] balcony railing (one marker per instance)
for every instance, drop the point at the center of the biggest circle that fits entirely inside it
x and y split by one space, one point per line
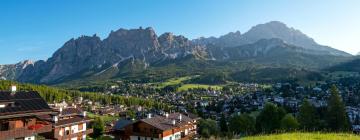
143 134
73 135
24 132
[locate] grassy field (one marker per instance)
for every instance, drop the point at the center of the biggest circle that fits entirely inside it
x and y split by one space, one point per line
191 86
105 118
305 136
184 87
173 81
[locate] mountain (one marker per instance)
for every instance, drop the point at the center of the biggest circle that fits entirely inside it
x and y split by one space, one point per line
13 71
273 29
122 49
349 66
140 53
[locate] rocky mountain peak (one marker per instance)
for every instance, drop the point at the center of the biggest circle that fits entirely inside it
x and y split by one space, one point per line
137 39
169 40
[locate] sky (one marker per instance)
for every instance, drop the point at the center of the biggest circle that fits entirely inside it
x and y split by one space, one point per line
35 29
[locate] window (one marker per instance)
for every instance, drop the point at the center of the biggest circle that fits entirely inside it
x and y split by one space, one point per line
139 138
170 138
4 126
67 132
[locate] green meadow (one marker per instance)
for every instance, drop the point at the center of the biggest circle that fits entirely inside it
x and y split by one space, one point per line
305 136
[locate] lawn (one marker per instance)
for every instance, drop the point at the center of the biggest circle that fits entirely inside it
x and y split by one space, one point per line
174 81
105 118
305 136
192 86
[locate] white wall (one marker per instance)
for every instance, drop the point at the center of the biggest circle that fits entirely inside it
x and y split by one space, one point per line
30 138
74 129
61 132
84 127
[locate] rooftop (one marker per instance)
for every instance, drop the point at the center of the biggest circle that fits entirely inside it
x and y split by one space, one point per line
22 103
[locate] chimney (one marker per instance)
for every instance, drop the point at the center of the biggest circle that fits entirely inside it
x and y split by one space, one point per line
149 116
61 109
173 122
180 117
13 88
84 114
166 115
55 118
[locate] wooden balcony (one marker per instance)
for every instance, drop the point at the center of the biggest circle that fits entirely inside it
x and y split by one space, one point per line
24 132
78 134
142 134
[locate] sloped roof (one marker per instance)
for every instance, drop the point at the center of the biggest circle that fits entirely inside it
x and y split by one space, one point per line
73 120
120 124
165 123
22 103
70 111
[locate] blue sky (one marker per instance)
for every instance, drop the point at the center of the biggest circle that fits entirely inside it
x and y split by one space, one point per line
34 29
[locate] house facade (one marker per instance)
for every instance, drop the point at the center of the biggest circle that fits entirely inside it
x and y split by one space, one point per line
20 115
175 126
71 124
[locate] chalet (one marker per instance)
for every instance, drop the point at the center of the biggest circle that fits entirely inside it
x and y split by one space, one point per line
71 124
20 115
122 129
175 126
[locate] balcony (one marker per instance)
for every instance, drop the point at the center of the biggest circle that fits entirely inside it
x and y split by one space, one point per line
73 135
24 132
145 134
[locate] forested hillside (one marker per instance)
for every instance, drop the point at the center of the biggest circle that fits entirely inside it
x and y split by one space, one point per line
52 94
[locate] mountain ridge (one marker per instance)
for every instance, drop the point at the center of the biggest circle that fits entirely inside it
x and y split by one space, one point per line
127 50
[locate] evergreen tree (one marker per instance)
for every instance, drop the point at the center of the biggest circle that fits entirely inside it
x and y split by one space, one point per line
308 117
98 127
223 124
289 123
242 124
269 118
208 128
336 114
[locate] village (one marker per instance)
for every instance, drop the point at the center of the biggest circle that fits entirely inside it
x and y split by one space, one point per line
27 115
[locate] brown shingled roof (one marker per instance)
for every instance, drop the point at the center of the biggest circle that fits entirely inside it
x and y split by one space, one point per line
22 103
74 119
70 111
165 123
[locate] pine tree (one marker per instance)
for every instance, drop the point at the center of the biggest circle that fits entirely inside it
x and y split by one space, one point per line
289 123
308 117
336 115
269 118
98 127
223 124
242 124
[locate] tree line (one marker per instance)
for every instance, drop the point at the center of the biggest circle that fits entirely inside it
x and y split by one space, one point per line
52 94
